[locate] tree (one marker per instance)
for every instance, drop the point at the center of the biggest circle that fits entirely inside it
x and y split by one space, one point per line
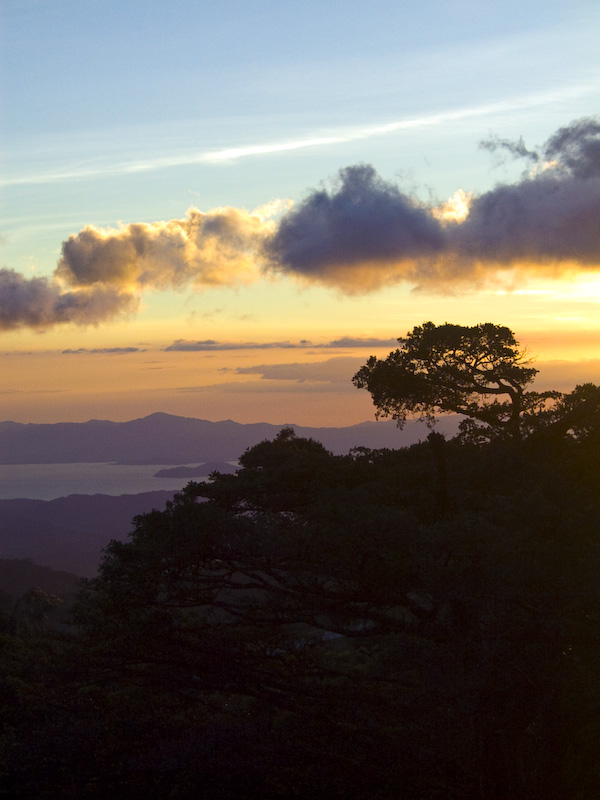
477 371
578 412
247 610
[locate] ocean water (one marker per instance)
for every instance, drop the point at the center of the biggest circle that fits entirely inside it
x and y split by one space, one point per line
49 481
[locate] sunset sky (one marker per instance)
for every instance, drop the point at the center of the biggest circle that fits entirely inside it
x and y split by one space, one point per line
220 210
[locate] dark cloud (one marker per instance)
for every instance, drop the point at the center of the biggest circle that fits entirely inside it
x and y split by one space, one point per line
515 149
365 233
577 148
546 220
42 303
348 236
550 217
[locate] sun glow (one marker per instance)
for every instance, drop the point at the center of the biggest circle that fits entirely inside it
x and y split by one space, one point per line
456 208
584 288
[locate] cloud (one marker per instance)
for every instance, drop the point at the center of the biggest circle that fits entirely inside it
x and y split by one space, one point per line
365 233
515 149
209 345
360 235
217 248
206 345
577 147
42 303
348 341
336 136
102 272
269 387
331 371
551 217
102 350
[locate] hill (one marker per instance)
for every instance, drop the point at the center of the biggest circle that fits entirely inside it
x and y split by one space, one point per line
18 575
70 533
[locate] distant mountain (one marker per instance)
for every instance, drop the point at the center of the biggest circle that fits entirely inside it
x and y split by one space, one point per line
166 439
70 533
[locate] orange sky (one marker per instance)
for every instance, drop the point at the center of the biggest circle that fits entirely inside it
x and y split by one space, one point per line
232 228
57 376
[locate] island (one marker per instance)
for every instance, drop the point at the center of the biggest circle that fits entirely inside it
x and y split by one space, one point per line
199 471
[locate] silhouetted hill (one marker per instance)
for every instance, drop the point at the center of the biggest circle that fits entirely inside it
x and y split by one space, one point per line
70 533
17 575
166 439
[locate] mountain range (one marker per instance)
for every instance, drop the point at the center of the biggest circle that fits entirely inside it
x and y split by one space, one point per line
166 439
69 533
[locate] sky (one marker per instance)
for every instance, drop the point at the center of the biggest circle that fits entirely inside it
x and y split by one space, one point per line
221 210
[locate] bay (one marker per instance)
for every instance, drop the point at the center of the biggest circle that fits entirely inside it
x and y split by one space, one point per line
49 481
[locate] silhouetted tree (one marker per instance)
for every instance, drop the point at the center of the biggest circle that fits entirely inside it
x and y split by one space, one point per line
478 371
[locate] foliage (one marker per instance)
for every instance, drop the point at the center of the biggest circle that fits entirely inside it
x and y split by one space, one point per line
477 371
419 623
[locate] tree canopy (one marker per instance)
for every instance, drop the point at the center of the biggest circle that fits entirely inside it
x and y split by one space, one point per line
478 371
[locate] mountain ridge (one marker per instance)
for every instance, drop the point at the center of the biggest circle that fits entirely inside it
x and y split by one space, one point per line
70 533
162 438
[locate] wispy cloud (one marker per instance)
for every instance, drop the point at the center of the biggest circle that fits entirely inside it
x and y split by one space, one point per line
211 345
349 341
353 134
102 351
331 371
334 375
338 136
267 388
208 345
